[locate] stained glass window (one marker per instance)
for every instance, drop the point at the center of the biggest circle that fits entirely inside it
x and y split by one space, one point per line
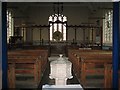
107 27
9 25
55 26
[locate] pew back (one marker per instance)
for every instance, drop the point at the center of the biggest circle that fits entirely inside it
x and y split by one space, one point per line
91 62
21 62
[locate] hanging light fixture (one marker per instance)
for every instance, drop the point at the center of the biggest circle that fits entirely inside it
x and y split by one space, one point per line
57 22
58 9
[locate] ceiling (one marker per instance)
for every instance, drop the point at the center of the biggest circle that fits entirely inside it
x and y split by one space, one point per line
90 5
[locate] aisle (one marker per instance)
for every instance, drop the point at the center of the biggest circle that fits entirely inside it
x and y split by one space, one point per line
47 80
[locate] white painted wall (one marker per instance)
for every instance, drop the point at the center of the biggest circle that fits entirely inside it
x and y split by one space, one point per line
39 15
71 34
36 34
76 15
44 34
29 35
79 34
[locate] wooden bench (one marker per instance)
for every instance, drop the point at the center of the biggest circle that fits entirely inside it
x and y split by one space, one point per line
87 62
96 67
26 62
34 53
24 66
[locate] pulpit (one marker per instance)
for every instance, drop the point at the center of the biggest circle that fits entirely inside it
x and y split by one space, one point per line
60 70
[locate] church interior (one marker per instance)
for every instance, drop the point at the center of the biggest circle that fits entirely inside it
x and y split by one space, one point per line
81 31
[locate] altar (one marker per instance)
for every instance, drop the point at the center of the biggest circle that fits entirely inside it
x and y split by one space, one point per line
60 69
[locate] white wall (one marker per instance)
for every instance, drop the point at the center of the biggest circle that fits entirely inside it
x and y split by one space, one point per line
75 16
44 34
29 35
79 34
39 15
36 34
71 34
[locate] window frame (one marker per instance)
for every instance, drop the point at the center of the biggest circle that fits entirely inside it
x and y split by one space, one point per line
9 25
58 23
107 27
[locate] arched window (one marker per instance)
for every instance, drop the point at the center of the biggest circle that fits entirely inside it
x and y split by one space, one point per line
57 23
9 25
107 27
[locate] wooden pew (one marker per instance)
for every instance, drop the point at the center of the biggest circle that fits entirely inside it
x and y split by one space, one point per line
25 66
26 62
11 75
75 63
88 59
95 66
43 54
83 53
77 55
